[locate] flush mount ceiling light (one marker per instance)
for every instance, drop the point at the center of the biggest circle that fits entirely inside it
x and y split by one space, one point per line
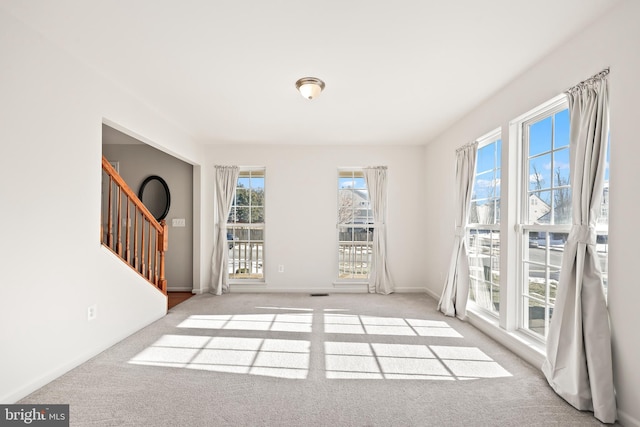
310 87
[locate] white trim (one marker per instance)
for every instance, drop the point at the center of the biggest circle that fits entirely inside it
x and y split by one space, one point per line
626 419
549 228
409 290
489 137
360 288
252 169
353 173
432 294
248 172
521 226
530 350
539 110
266 290
24 390
246 282
349 282
492 140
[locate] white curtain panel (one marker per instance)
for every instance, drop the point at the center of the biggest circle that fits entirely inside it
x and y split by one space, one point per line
453 301
226 181
477 285
578 363
379 277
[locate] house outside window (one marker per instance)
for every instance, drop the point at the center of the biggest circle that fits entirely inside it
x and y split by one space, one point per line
246 227
536 221
546 220
355 226
483 229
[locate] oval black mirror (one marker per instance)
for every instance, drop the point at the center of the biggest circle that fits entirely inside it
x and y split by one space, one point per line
154 193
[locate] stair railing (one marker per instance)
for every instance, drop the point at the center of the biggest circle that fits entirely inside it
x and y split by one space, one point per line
130 230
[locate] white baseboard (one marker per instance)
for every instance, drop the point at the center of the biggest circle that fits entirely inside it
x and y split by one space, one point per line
237 289
37 383
337 288
410 290
627 420
432 294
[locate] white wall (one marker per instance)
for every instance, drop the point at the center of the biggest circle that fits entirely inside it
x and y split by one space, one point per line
52 264
53 267
301 210
612 41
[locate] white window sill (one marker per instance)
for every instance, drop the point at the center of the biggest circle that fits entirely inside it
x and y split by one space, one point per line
528 348
247 282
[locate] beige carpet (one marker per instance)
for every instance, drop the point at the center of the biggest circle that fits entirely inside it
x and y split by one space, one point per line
298 360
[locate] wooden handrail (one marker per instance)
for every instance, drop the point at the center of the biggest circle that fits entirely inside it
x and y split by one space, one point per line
106 166
150 237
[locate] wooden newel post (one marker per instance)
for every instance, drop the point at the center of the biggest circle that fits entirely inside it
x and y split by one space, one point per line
163 245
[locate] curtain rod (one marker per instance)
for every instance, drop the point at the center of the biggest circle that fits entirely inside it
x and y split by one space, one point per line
466 146
591 80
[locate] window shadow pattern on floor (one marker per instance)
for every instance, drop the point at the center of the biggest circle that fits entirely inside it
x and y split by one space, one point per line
352 347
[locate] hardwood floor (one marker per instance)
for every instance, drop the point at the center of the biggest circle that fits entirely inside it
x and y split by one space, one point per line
176 298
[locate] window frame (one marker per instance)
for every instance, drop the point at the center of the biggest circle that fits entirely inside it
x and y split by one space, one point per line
602 225
260 253
492 137
507 327
524 225
370 227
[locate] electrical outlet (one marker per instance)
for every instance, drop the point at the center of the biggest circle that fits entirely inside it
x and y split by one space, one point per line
92 312
281 268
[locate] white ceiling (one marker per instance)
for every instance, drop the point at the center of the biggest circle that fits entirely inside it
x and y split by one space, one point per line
397 72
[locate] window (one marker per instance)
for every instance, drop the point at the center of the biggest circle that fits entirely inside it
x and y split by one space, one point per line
602 227
546 220
355 226
245 226
536 221
483 229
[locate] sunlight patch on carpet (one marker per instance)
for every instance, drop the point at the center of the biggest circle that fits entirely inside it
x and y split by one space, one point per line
348 360
291 322
373 325
254 356
355 358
